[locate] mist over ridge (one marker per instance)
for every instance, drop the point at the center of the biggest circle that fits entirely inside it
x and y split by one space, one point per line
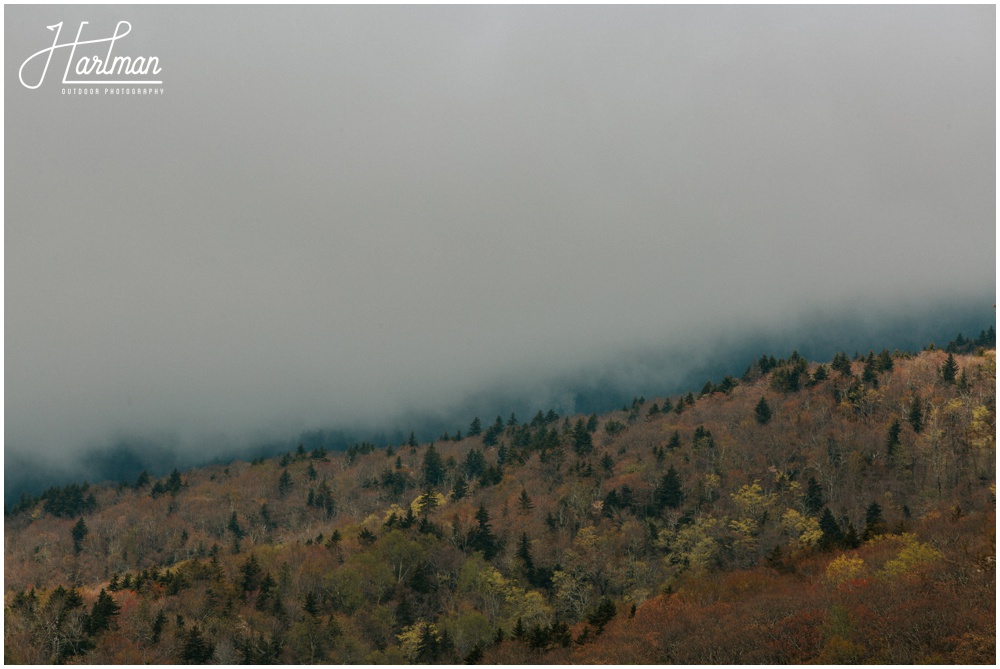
406 216
592 388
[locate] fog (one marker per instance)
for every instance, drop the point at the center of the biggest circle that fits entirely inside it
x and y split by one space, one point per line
351 215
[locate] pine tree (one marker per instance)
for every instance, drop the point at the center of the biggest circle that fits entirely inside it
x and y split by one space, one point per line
841 363
174 483
669 494
524 502
475 656
102 613
602 615
427 645
874 522
143 480
234 526
433 467
832 537
820 374
196 649
892 440
916 416
762 412
284 483
158 624
582 441
310 606
524 554
250 574
870 373
481 537
475 427
78 532
814 497
949 369
460 489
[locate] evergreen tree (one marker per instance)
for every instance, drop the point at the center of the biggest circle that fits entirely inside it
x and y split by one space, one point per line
196 649
607 464
433 468
949 369
524 502
870 373
250 574
158 624
310 606
427 645
78 532
874 522
592 423
475 656
841 363
102 613
814 497
460 489
892 440
476 427
762 412
234 526
916 416
284 483
832 537
524 554
883 362
675 441
582 441
174 483
412 441
481 537
820 374
143 480
669 494
602 615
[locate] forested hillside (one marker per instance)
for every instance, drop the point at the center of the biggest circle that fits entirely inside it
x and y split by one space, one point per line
833 513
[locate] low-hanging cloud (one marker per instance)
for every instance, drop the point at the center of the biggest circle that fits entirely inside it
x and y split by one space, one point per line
339 214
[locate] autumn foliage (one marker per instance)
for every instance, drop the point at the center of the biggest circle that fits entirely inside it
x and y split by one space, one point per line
805 513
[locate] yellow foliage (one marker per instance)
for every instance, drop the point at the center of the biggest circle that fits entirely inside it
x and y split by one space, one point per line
913 554
845 568
417 505
409 638
752 500
805 528
982 431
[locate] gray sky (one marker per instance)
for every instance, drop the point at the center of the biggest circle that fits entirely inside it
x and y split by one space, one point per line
335 214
